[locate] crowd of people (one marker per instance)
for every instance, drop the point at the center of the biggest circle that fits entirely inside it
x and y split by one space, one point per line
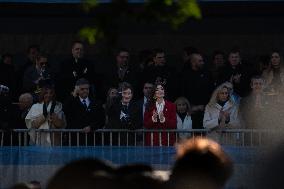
224 94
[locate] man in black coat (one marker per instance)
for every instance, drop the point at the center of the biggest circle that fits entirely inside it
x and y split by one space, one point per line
73 69
197 88
84 112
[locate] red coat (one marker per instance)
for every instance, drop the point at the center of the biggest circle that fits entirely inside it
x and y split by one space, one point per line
170 123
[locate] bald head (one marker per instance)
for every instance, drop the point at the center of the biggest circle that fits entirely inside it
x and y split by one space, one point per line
25 101
196 61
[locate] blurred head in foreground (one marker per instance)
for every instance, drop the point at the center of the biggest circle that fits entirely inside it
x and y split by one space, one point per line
83 174
200 163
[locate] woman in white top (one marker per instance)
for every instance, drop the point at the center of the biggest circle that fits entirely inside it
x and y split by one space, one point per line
46 114
222 112
184 121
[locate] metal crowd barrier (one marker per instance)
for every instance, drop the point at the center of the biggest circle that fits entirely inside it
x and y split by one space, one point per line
118 137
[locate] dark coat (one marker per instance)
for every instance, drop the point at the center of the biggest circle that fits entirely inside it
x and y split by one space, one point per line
133 122
78 117
69 72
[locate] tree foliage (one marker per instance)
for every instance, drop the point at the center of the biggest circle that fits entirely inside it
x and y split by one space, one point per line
172 12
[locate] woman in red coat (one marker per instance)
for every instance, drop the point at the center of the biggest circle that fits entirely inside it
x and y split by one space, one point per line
161 115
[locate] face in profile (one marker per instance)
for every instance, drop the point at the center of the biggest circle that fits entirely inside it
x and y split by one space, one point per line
113 93
181 107
48 95
126 96
78 50
197 61
159 92
83 91
275 59
257 85
234 58
223 95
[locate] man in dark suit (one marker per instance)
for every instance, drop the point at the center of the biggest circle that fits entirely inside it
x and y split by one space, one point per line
145 101
121 71
74 68
84 112
143 105
123 114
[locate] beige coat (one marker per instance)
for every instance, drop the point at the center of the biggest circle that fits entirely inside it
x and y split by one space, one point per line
35 119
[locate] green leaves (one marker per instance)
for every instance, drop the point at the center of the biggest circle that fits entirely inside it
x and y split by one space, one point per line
173 12
92 34
89 4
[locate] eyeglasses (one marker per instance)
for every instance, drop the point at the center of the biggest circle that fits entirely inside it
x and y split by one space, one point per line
43 63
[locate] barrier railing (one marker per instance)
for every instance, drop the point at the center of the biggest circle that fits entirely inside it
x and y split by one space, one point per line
142 137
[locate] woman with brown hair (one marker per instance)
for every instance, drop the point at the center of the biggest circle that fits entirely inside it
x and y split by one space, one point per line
161 115
46 114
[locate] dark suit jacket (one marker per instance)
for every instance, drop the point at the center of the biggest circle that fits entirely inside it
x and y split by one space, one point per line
116 123
65 81
78 117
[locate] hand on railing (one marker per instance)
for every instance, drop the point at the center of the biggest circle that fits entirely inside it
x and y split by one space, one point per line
87 129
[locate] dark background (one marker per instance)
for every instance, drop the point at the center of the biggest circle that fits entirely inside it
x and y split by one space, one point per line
255 27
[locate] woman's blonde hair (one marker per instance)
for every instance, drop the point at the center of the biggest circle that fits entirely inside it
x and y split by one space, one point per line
213 99
183 100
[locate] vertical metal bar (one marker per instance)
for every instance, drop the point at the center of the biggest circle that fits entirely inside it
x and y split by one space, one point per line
39 137
77 137
176 134
61 138
11 138
25 138
69 138
86 139
103 139
260 139
251 135
20 138
151 138
160 138
94 136
135 138
110 138
127 138
243 138
118 138
53 139
2 138
168 133
143 137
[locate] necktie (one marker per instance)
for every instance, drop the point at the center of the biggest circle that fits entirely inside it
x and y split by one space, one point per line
85 104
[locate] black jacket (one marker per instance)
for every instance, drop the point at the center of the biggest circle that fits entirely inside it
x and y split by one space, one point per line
78 117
